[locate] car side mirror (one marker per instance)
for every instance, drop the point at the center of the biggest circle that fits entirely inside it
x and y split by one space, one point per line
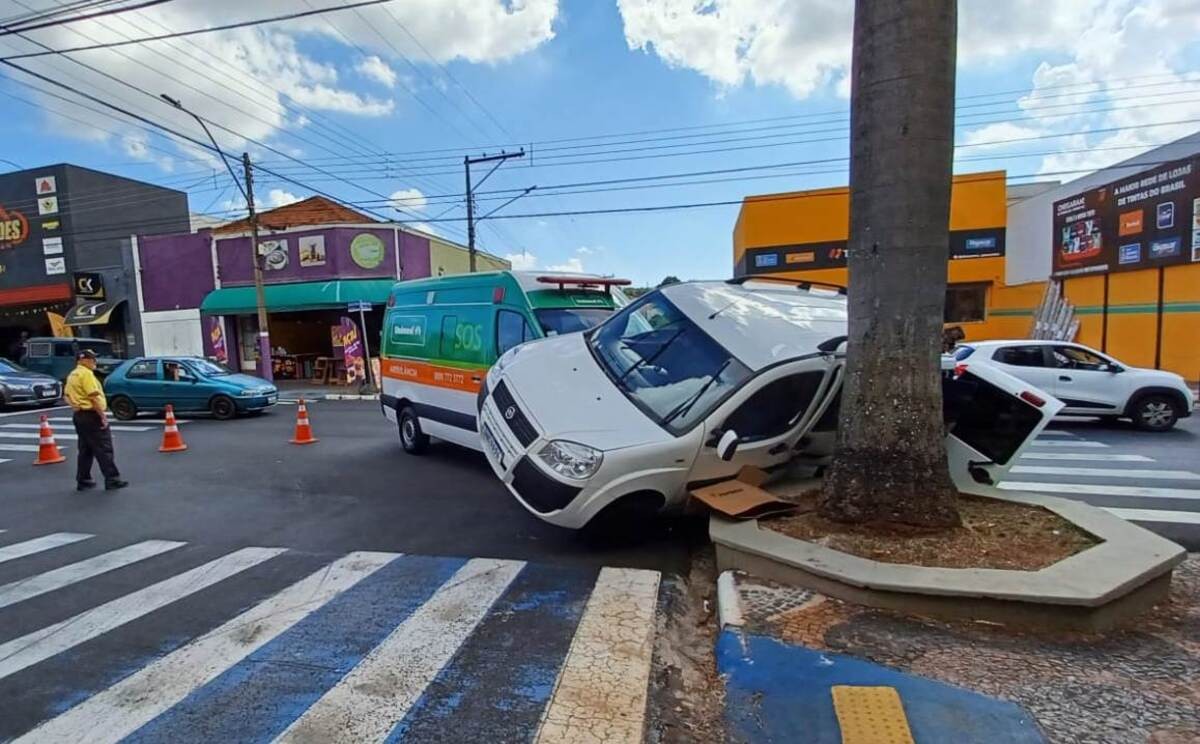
727 445
1114 368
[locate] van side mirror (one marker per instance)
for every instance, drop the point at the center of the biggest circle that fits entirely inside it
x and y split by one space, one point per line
727 445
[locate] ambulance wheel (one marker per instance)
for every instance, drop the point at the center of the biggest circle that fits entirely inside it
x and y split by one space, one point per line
412 439
123 408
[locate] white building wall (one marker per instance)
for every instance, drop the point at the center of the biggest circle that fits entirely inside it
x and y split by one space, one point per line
173 332
1029 238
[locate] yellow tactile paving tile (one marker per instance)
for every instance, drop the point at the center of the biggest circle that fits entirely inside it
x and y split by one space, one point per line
871 715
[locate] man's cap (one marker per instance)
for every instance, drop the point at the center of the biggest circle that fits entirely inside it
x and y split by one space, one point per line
85 354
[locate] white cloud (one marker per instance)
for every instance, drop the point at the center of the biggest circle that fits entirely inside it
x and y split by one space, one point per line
573 264
408 200
583 250
522 261
376 69
280 198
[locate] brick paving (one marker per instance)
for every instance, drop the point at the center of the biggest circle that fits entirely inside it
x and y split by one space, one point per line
1138 684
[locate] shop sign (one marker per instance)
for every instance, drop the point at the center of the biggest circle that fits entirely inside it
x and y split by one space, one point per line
56 266
89 285
352 351
1157 208
274 254
49 225
216 336
52 246
45 185
367 250
14 228
48 205
964 244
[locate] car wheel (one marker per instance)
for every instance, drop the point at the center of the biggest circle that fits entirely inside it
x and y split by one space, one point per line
629 519
223 408
124 408
412 439
1155 413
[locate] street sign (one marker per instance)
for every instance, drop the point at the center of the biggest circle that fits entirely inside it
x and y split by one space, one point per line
359 306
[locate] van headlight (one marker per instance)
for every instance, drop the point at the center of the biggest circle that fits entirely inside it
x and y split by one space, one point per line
571 459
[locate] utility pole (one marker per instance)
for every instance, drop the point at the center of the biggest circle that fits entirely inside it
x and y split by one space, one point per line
468 161
260 295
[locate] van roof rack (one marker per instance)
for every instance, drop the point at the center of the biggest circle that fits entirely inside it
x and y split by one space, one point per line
804 284
584 281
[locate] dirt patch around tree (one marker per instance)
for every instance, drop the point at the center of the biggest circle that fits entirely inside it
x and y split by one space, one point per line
994 534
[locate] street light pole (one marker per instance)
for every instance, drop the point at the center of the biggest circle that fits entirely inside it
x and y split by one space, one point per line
264 336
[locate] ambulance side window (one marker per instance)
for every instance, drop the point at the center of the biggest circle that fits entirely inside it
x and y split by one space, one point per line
511 330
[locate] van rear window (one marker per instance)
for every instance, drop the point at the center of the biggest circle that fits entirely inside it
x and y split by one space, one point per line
986 418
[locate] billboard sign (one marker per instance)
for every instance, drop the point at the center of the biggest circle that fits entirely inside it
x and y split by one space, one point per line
1141 221
30 257
964 244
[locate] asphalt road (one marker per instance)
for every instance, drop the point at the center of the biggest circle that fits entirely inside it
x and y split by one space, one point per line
241 483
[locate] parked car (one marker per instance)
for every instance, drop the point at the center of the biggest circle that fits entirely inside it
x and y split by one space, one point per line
189 384
56 356
22 387
694 381
1089 382
440 335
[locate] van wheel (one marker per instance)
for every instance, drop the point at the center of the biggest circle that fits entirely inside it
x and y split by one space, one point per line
412 439
223 408
1155 413
123 408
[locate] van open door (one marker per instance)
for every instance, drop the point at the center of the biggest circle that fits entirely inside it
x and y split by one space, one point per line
991 418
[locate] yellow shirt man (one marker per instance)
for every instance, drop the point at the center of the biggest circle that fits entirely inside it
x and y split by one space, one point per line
83 391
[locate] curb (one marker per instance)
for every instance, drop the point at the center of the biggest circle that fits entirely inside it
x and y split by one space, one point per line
729 606
341 396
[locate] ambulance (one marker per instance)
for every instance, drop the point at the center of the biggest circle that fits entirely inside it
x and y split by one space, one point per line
440 336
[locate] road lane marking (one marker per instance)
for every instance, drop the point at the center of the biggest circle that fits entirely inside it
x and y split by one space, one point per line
1156 515
29 649
19 591
5 447
1072 443
1107 472
603 683
131 422
32 435
113 427
1103 489
1044 433
2 461
118 711
373 698
38 544
32 411
1085 456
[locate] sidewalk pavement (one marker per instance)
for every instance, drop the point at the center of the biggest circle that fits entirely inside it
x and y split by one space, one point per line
783 651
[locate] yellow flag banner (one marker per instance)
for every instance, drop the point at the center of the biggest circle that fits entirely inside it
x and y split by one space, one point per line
59 327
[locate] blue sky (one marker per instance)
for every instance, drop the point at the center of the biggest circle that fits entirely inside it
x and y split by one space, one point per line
388 99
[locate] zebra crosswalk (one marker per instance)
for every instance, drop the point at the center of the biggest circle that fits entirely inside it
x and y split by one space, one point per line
1163 498
21 437
163 641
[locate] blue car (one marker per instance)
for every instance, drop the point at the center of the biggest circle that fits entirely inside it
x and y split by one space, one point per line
190 384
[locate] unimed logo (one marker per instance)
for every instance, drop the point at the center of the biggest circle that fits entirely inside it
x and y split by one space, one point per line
409 330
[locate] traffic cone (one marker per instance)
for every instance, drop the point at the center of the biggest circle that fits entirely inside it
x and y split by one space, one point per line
172 440
304 434
48 453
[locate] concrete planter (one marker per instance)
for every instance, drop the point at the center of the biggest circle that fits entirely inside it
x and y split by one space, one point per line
1126 573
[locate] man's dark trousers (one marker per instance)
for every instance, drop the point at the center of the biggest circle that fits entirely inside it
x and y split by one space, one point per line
95 442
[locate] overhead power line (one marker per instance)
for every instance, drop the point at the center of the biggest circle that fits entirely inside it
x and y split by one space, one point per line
5 30
194 32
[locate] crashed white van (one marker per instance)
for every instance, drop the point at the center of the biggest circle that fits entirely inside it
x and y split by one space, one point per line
696 380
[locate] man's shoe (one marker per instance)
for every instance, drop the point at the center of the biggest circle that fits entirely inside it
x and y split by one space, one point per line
113 485
84 485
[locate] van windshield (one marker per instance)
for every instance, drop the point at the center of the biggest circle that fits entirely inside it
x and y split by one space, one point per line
563 320
662 361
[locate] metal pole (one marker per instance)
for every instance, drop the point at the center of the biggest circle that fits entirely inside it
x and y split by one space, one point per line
260 295
362 319
470 218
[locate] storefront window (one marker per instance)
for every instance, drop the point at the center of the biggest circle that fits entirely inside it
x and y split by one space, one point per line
966 303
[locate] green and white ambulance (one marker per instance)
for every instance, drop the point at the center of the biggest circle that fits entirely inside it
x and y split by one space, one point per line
440 336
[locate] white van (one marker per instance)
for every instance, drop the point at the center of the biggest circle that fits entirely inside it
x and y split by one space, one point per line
696 380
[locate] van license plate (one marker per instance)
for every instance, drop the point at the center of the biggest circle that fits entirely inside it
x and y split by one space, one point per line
491 445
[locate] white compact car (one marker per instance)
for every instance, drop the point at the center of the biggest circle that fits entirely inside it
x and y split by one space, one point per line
1088 382
692 382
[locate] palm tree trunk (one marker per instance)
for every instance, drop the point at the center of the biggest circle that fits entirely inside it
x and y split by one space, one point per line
890 465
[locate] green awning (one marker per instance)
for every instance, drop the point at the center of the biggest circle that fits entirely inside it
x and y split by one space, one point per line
282 298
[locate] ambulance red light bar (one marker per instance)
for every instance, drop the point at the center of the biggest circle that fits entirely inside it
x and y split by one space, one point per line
585 282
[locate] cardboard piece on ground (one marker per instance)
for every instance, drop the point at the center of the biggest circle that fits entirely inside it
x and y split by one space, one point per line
742 497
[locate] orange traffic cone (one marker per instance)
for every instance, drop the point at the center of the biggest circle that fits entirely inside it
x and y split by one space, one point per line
48 453
172 440
304 434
